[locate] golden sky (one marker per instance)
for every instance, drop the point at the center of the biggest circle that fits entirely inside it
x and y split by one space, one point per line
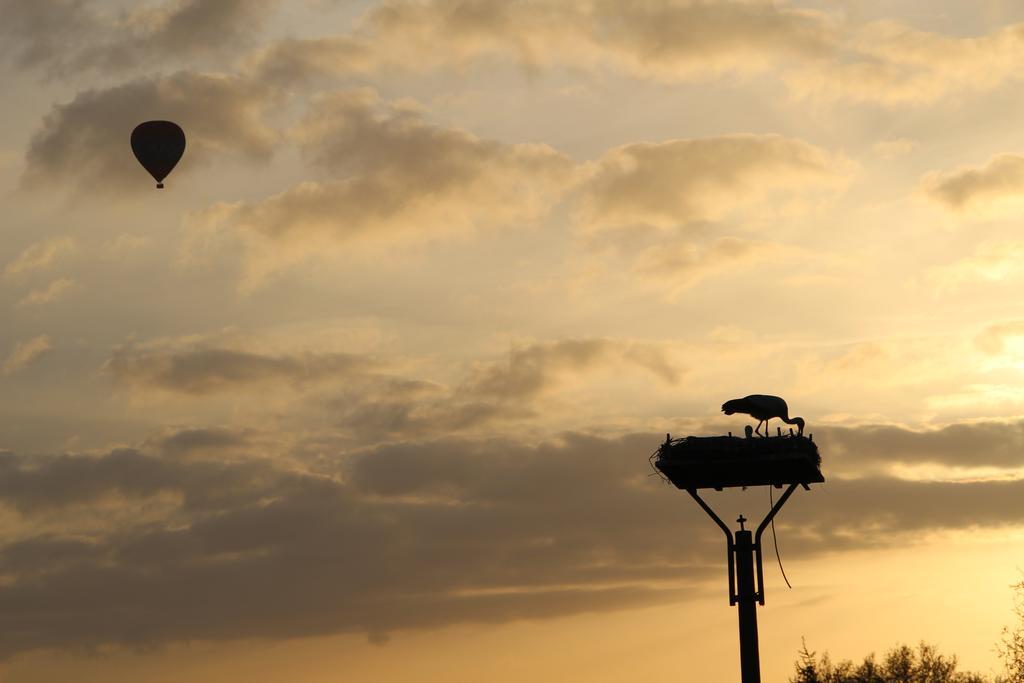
367 392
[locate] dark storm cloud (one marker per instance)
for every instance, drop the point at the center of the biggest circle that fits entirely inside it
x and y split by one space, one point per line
410 535
84 143
209 370
70 36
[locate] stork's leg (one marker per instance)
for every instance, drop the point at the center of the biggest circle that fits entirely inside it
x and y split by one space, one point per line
757 430
766 432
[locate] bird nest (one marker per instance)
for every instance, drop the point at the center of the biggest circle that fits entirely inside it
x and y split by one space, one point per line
696 462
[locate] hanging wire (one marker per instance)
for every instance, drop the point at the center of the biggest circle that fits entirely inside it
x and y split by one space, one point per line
775 541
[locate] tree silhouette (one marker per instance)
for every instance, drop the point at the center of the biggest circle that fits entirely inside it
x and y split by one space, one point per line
1011 645
925 665
901 664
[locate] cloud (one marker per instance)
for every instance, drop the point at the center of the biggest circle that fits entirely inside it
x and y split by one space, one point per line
39 256
680 182
679 266
996 186
973 445
300 60
391 176
388 176
26 353
201 369
893 149
368 399
817 55
664 40
419 534
906 372
990 262
185 26
657 211
54 291
199 442
893 64
69 482
992 339
980 398
125 246
535 368
527 386
71 36
39 34
261 552
84 143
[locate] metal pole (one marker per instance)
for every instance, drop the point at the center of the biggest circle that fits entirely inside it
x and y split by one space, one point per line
750 661
743 592
729 548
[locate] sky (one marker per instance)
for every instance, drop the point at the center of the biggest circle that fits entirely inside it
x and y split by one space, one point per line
367 392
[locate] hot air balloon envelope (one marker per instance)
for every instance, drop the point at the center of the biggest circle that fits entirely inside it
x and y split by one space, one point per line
158 145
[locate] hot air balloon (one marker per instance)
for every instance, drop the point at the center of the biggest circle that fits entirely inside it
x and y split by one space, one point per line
158 145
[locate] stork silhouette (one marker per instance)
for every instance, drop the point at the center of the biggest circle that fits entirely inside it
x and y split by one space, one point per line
764 408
